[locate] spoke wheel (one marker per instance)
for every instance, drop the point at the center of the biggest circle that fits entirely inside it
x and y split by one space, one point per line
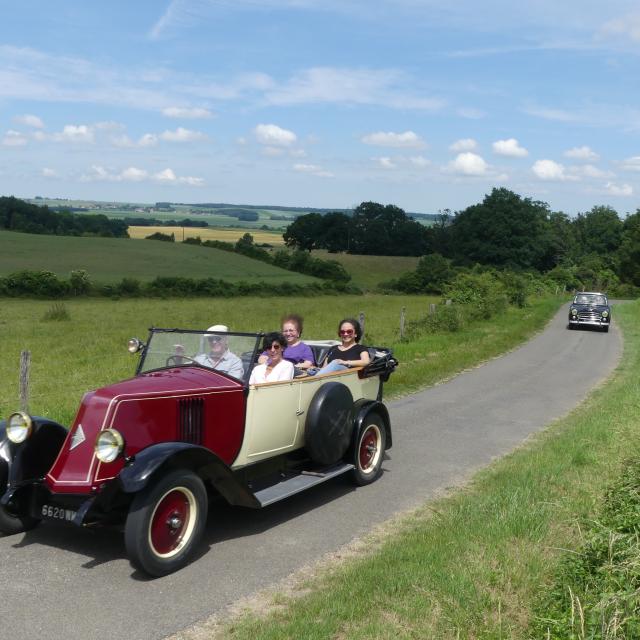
369 451
166 522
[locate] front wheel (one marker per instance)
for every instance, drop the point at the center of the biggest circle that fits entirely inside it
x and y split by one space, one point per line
166 522
369 451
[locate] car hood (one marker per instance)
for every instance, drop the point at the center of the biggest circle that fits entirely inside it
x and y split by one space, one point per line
124 405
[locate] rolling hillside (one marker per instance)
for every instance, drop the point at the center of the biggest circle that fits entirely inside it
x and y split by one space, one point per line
111 259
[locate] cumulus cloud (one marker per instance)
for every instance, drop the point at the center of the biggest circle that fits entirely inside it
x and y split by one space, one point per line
99 173
182 135
510 148
469 164
406 140
75 133
312 169
627 26
49 173
631 164
274 136
29 121
549 170
386 163
590 171
187 113
581 153
624 190
419 161
14 139
464 144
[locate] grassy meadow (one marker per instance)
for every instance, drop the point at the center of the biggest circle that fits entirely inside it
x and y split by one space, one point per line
108 260
480 562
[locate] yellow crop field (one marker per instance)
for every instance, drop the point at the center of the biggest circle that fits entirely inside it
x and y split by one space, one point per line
260 236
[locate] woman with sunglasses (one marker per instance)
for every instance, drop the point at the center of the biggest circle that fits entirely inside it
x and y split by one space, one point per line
349 353
276 367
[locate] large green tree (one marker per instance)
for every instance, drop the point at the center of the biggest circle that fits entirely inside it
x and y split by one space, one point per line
629 253
505 230
599 230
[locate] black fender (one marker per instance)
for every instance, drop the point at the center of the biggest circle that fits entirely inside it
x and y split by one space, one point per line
32 458
362 408
144 466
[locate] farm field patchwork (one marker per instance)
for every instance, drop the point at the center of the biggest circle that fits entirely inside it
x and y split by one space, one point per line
108 260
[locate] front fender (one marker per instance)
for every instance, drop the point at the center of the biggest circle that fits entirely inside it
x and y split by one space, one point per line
157 458
32 458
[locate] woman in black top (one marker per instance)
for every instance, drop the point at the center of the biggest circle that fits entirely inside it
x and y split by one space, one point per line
349 353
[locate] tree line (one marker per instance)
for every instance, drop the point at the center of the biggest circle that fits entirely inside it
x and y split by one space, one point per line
18 215
504 231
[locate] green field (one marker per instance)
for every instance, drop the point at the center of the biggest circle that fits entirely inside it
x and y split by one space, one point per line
367 272
108 260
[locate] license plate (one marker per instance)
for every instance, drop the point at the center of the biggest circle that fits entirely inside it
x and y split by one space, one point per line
57 513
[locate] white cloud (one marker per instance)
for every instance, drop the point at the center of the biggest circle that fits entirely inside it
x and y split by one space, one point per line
631 164
590 171
273 152
14 139
187 113
386 162
471 113
132 174
99 173
469 164
49 173
406 140
148 140
75 133
419 161
273 135
510 148
624 27
123 141
313 170
464 144
624 190
581 153
549 170
29 121
182 135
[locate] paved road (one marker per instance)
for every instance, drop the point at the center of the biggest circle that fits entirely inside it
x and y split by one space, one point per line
68 584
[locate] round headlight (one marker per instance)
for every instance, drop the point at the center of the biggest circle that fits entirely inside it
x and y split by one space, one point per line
605 313
574 312
109 445
19 427
134 345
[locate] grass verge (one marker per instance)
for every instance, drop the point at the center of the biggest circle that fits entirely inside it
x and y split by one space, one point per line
473 564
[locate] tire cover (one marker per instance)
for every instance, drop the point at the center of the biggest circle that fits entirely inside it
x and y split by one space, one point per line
329 423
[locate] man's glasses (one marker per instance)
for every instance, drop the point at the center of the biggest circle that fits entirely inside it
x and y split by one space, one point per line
275 346
215 339
346 332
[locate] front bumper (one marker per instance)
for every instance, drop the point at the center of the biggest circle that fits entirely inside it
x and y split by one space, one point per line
33 498
593 322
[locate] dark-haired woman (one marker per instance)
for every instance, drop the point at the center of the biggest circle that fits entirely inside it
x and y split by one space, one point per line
275 368
349 353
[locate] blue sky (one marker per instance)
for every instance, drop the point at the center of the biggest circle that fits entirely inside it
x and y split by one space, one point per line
424 104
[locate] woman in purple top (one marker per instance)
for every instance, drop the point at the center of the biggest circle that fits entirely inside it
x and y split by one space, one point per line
296 351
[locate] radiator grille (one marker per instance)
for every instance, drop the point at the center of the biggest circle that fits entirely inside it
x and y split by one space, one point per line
190 420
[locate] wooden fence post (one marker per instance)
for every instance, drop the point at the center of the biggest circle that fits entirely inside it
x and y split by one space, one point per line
25 365
432 308
402 313
448 301
361 321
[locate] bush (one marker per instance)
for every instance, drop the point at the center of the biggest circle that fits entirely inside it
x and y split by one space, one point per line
79 282
42 284
164 237
483 294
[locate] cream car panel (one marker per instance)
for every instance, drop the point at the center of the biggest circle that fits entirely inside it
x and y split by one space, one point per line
276 412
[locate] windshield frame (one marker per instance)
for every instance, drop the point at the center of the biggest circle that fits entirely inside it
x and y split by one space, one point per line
153 331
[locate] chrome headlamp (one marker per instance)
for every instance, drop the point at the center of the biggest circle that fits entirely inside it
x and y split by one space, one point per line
605 314
109 445
134 345
19 427
574 311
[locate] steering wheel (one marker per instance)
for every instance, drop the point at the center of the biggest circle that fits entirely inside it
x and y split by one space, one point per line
174 360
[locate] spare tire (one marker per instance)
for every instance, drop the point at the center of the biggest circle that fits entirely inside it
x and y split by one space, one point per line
329 423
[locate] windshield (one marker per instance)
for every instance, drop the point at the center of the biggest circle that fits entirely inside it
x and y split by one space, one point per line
590 299
230 353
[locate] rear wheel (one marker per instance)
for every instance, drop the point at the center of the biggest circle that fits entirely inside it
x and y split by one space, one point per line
166 522
369 451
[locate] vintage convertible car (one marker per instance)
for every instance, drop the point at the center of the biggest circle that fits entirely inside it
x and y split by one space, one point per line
151 452
590 309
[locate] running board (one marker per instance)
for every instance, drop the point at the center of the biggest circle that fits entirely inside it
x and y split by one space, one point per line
298 483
